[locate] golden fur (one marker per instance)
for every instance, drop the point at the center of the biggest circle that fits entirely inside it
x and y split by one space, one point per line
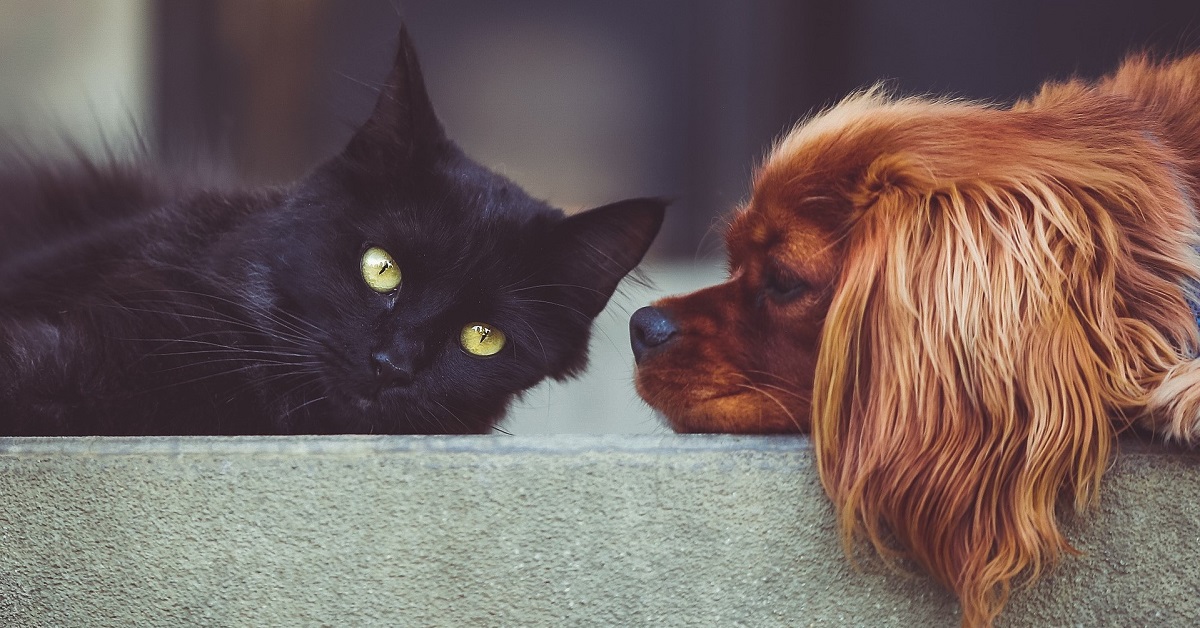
965 305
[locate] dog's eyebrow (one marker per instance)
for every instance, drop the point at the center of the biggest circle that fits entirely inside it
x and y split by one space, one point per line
778 266
752 227
740 235
786 267
802 255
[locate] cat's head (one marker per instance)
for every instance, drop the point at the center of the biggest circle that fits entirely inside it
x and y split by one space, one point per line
431 289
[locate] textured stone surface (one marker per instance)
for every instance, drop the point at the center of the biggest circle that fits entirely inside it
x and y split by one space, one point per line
524 531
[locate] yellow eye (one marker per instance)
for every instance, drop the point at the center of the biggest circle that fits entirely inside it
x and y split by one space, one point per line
379 270
482 339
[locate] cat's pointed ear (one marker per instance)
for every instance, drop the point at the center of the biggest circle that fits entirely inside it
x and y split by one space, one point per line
592 251
403 121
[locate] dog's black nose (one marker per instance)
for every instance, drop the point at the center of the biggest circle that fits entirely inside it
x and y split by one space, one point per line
649 328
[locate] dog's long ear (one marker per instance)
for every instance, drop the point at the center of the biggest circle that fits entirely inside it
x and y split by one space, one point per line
980 336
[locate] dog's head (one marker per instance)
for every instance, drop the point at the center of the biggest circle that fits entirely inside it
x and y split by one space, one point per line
954 299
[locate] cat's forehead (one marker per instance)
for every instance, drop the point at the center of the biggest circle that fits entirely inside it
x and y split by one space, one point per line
469 232
445 212
488 192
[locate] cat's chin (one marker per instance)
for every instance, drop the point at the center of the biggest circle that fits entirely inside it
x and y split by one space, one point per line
399 411
369 405
362 404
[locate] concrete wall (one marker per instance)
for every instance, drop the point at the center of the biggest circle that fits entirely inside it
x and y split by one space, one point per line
519 531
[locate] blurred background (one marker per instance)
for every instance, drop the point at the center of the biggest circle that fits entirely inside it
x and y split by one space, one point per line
582 103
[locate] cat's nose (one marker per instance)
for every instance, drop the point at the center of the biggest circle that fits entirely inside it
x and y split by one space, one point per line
649 329
391 368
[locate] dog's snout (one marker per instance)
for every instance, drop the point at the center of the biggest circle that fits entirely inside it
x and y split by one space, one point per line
649 329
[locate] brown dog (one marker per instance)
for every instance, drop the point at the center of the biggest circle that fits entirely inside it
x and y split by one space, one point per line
964 305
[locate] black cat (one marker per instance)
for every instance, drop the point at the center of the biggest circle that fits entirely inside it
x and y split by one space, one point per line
398 288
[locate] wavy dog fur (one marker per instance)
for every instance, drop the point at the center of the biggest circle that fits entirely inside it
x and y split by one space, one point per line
974 302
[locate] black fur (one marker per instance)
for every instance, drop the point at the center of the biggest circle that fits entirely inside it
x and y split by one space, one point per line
129 305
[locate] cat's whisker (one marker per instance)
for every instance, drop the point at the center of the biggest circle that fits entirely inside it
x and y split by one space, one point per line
303 383
562 305
598 329
288 331
223 320
311 377
452 415
247 304
253 362
217 349
285 318
191 340
307 378
206 377
506 287
201 358
533 332
558 285
425 415
292 411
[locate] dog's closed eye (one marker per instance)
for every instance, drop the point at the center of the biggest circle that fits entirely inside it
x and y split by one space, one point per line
782 285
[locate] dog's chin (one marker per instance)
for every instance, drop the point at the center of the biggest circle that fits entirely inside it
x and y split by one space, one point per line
692 407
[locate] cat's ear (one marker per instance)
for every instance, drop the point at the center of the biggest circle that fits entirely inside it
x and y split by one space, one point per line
592 251
403 121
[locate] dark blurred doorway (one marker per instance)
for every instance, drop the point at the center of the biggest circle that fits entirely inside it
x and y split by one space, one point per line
586 102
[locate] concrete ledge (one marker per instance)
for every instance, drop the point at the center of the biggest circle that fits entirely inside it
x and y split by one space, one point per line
519 531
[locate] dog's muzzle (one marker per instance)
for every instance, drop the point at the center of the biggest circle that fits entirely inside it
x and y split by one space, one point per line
649 330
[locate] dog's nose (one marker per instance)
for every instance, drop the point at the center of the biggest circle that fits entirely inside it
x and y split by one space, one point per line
649 328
